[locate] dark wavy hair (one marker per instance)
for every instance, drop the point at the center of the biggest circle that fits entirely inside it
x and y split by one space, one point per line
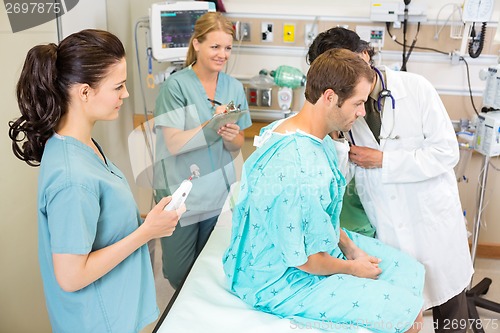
48 73
338 38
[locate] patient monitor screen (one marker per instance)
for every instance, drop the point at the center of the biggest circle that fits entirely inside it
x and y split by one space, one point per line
171 25
177 27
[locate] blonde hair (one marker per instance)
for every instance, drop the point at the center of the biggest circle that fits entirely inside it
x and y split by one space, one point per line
208 22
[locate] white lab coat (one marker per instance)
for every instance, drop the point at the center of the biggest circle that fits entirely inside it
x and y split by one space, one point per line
413 199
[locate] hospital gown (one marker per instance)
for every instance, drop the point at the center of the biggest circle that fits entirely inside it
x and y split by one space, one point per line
288 209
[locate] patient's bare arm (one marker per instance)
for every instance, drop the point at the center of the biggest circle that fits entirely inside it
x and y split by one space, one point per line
322 263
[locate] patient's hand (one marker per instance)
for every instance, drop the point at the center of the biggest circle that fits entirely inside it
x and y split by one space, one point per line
354 252
366 267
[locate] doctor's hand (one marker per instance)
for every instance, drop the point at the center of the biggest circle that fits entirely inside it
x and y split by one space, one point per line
365 157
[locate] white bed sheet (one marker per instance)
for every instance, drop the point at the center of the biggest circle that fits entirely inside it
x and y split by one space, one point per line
204 303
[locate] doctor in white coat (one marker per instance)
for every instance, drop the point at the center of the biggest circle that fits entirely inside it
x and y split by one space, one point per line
408 187
406 183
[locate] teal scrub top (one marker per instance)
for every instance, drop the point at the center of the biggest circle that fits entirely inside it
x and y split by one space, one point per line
183 104
85 204
288 209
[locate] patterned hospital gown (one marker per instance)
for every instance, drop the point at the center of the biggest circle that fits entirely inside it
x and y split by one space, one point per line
288 209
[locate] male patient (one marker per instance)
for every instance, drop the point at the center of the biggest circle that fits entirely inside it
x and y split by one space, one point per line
404 151
288 256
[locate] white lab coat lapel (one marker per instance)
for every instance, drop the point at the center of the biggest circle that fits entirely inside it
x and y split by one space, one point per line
364 136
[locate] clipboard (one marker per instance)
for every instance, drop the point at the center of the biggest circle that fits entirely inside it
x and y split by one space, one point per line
208 134
222 119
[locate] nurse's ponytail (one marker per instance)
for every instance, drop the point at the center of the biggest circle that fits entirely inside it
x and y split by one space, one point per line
40 102
48 73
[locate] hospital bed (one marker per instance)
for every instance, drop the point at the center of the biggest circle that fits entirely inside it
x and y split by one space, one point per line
205 304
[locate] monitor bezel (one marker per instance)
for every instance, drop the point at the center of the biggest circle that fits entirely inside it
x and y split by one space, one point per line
169 54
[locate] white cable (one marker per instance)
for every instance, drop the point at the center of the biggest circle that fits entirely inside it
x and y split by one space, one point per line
147 129
457 30
494 166
455 8
314 24
478 193
236 56
379 54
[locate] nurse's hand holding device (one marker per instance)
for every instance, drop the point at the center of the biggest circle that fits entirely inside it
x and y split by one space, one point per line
181 194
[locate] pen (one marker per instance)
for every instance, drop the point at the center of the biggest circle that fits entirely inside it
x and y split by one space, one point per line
214 101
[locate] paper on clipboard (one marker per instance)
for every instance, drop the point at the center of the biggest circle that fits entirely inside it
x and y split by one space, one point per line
208 135
222 119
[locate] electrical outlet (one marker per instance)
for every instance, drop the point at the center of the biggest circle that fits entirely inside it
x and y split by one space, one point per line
377 37
310 33
245 31
289 33
267 30
372 34
252 96
265 97
241 31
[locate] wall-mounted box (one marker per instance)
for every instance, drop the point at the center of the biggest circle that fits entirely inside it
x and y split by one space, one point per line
392 11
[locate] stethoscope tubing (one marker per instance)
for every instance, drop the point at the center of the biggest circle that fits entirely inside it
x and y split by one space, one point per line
383 94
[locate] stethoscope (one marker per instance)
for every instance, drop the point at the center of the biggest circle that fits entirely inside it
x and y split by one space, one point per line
384 93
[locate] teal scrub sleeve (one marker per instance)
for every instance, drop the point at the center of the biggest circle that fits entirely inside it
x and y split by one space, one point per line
171 106
72 214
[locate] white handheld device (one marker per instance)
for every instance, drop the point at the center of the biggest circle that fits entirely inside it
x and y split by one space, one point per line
179 196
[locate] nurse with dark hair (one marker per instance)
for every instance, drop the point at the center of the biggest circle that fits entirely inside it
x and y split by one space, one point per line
93 256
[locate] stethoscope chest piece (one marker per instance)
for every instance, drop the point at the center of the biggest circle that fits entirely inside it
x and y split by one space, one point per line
384 94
